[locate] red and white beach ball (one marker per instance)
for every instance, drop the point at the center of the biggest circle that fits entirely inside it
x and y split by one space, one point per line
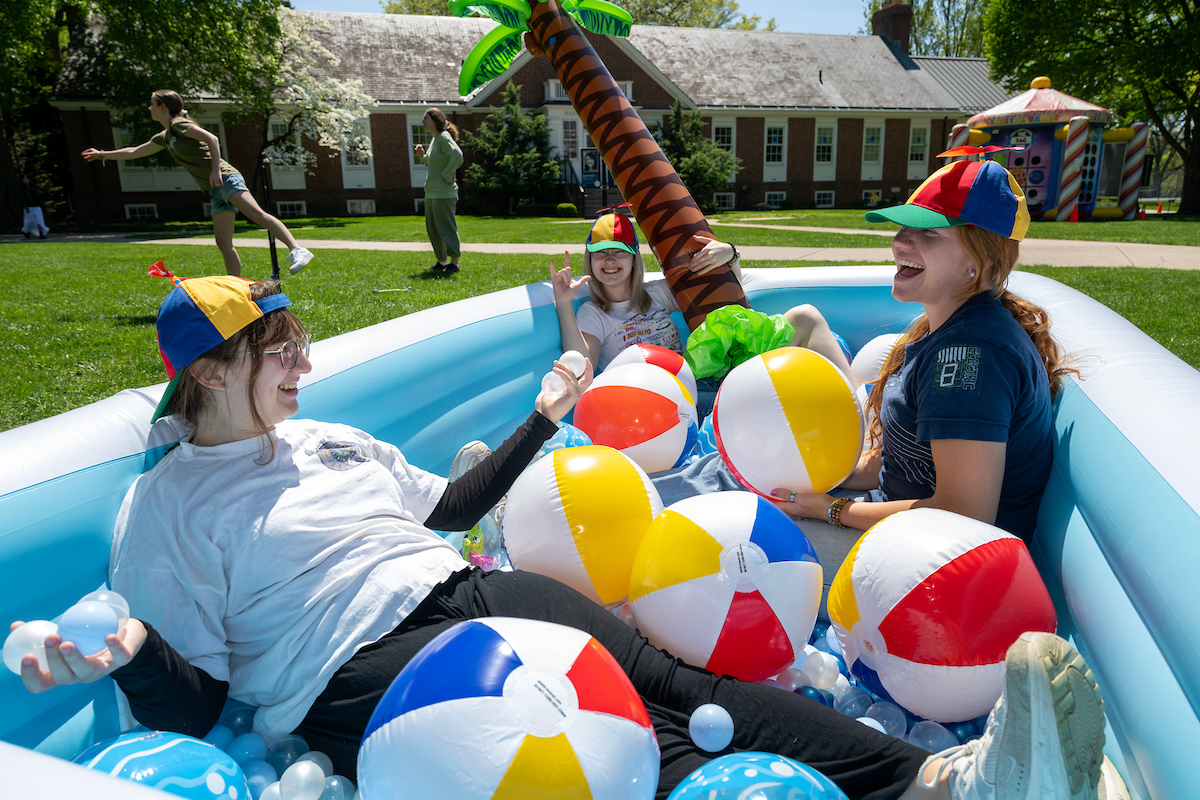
506 708
643 411
926 605
726 581
578 515
664 357
788 419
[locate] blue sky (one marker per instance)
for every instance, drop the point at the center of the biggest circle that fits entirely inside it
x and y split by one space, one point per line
801 16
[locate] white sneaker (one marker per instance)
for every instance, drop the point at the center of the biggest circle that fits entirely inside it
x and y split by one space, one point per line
1111 785
471 454
298 258
1044 737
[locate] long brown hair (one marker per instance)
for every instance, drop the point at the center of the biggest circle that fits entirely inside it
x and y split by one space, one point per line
170 99
638 296
191 396
440 122
985 248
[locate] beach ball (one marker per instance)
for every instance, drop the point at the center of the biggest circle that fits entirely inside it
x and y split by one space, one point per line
664 357
567 436
510 708
643 411
789 419
926 605
869 360
578 516
756 776
726 581
170 762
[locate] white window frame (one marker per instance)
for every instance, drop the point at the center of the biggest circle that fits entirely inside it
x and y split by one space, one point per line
417 135
573 139
131 210
918 170
360 207
139 176
291 208
869 195
359 176
731 124
285 178
827 202
779 197
873 170
725 201
555 93
775 171
825 170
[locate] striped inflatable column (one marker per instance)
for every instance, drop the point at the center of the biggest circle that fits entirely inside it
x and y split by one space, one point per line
1131 172
1071 182
960 136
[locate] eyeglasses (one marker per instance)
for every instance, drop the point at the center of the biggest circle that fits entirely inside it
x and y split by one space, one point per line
288 352
611 254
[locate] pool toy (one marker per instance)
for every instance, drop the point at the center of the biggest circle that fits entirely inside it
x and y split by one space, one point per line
666 358
761 776
501 707
170 762
711 728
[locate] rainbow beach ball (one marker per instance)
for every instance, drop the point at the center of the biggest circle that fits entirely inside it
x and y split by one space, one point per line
788 419
643 411
578 515
663 357
170 762
926 605
510 708
726 581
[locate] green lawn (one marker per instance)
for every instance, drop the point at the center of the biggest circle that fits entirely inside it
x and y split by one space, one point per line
77 320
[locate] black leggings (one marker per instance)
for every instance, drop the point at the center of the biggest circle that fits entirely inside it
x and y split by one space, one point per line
863 762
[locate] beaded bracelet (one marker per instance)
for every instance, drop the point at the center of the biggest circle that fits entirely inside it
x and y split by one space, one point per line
835 511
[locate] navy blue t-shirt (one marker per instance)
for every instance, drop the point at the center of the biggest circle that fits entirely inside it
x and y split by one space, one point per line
977 377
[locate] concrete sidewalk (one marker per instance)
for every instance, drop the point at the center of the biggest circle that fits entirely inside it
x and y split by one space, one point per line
1051 252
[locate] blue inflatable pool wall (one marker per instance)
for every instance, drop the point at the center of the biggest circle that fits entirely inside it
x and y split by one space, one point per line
1118 538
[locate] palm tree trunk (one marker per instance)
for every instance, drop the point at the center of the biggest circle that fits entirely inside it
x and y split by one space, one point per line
663 206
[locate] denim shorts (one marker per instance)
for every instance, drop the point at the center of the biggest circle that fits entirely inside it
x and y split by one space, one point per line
220 197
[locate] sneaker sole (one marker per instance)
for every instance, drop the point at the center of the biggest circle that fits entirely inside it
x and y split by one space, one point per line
1055 671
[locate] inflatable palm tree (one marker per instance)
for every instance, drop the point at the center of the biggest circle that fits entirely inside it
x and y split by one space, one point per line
663 206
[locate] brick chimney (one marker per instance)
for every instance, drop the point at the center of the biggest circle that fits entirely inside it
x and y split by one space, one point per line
894 21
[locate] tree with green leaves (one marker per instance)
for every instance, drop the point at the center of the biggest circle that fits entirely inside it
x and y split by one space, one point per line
693 14
703 166
511 155
1139 58
429 8
941 27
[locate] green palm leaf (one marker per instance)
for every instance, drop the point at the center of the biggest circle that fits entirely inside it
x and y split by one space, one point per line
599 16
488 59
509 13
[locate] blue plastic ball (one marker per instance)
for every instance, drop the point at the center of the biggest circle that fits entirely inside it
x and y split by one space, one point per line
219 736
964 731
711 728
248 747
86 624
929 735
259 775
238 717
285 752
813 693
762 776
853 702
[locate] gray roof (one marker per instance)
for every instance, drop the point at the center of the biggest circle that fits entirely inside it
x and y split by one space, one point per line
717 67
968 80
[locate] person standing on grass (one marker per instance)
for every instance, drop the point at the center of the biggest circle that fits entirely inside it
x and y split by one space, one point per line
442 159
31 202
199 152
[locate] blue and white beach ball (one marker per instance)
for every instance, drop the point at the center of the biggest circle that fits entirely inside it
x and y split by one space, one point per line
504 708
170 762
762 776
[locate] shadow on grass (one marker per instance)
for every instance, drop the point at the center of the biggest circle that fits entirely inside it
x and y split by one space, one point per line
134 321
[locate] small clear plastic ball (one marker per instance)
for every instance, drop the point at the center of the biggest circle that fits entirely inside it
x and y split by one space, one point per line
285 752
303 780
109 597
85 625
574 361
793 679
259 775
338 787
711 728
853 702
320 759
774 684
822 669
248 747
872 723
552 384
929 735
29 638
238 717
890 716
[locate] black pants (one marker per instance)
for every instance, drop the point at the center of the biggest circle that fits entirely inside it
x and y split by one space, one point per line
863 762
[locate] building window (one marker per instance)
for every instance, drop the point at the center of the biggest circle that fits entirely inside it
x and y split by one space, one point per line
775 199
871 197
419 205
360 206
555 93
356 157
570 139
824 153
422 137
724 200
774 153
723 136
146 211
917 146
291 208
824 199
872 138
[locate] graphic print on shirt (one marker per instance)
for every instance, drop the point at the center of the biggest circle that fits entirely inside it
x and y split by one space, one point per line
912 458
340 456
957 368
653 328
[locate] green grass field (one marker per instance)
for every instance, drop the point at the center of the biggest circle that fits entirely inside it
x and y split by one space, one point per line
77 320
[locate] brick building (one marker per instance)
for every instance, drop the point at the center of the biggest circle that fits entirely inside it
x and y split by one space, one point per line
817 120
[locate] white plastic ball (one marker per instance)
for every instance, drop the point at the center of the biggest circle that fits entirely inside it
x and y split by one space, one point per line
86 624
872 723
931 736
320 759
552 384
822 669
793 679
772 683
29 638
574 361
338 787
111 598
303 780
831 638
271 792
711 728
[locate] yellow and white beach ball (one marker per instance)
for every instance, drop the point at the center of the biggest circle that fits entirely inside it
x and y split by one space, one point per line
788 419
578 515
726 581
926 605
643 411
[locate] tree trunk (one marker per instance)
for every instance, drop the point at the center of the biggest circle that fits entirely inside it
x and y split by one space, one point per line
663 206
10 187
1189 201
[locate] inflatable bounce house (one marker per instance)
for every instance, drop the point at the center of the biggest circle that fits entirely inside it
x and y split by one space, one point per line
1071 167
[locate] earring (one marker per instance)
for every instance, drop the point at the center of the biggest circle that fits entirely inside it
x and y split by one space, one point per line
972 274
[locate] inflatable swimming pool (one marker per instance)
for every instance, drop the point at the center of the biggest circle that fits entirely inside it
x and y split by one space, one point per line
1118 537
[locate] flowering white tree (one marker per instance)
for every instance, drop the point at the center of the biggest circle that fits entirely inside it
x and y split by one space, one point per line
327 110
